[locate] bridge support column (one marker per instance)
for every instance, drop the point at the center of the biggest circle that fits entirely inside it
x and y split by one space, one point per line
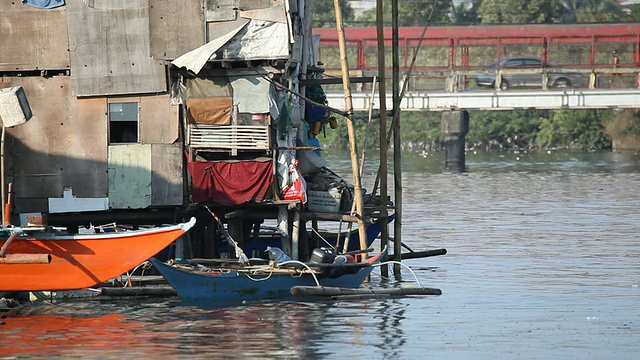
455 125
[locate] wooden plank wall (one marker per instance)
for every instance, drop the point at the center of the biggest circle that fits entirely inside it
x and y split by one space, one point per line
109 49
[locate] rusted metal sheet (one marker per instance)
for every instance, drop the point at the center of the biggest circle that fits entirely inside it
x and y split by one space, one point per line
129 176
63 145
110 51
158 120
176 27
32 39
167 174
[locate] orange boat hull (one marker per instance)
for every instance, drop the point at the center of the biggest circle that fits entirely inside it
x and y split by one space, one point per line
81 261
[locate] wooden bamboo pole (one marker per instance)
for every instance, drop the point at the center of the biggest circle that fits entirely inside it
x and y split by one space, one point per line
6 220
334 291
397 158
26 259
357 186
2 171
382 174
4 248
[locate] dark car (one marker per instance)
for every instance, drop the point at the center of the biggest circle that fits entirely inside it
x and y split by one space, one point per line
528 79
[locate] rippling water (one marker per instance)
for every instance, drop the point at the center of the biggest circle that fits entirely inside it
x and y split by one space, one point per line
542 263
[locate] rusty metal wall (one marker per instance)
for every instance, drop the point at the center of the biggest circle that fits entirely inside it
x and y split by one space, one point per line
175 27
63 144
31 38
109 49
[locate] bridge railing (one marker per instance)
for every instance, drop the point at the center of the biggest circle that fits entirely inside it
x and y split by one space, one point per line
448 80
451 57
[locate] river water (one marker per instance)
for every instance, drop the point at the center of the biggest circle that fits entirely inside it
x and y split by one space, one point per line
542 263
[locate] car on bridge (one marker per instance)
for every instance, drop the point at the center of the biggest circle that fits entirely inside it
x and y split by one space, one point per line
532 78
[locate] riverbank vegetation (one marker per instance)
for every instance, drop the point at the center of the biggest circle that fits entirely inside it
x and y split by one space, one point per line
507 130
592 129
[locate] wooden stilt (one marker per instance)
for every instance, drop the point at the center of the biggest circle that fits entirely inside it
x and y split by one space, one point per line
382 174
295 235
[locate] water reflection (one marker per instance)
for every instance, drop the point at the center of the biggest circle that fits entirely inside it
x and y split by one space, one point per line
155 328
541 264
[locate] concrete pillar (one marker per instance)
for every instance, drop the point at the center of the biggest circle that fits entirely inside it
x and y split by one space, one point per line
455 125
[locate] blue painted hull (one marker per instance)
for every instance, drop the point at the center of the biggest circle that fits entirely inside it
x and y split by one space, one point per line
238 286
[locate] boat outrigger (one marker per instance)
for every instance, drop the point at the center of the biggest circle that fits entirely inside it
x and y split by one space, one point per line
34 259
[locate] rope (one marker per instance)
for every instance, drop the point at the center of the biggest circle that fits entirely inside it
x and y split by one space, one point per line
405 265
270 270
305 265
145 265
263 279
242 258
323 239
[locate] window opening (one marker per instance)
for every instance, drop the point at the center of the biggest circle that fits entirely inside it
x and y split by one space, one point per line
123 122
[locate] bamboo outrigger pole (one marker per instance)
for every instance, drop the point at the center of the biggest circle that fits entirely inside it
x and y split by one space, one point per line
357 186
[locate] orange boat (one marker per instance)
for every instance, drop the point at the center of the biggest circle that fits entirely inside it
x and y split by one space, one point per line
39 260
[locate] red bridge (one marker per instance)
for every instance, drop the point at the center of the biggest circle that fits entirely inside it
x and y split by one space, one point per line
607 56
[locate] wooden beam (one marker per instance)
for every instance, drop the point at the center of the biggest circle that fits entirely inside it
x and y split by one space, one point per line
325 81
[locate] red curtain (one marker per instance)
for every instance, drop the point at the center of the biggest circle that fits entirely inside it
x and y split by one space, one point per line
230 183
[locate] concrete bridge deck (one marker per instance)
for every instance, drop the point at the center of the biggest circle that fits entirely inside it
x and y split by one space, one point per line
498 100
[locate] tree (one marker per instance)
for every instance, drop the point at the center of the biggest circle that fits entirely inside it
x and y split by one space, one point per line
519 11
466 15
588 11
634 13
324 12
413 13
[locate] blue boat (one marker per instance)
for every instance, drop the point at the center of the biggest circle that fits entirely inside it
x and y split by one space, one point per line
213 284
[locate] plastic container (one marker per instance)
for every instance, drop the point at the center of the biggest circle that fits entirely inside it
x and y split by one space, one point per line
324 201
277 255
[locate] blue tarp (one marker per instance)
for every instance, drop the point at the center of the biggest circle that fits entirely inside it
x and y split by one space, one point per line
44 4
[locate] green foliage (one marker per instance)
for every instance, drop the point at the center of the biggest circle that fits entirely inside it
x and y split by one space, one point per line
496 130
588 11
324 12
412 13
519 11
624 124
462 15
634 13
572 129
503 129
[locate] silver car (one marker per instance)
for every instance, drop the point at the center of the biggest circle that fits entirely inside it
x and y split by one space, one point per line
528 79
